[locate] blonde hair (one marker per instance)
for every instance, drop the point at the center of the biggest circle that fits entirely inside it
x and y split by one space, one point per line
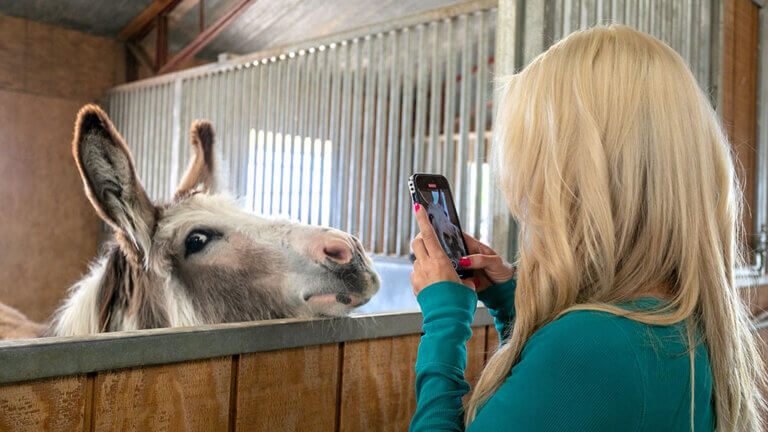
613 162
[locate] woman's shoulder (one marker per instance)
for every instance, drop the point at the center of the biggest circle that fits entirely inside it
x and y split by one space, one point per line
589 334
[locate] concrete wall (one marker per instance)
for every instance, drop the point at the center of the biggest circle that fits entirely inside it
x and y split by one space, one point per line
48 231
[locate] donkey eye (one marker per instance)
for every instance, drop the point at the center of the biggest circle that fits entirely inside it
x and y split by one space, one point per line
197 240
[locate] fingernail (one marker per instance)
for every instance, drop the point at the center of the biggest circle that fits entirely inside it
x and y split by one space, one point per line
416 207
477 282
465 262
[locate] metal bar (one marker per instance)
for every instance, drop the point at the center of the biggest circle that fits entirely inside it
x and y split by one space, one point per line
360 32
465 111
266 110
277 144
285 105
150 178
449 155
380 148
353 211
420 126
502 228
146 116
334 136
366 173
179 110
253 124
34 359
325 85
162 143
761 167
293 121
306 141
227 137
313 101
435 100
344 127
481 101
239 132
404 209
390 217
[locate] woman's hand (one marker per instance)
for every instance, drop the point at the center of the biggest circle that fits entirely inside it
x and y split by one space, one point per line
432 264
489 268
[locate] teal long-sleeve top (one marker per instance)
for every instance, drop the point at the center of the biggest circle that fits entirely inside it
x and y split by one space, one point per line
586 371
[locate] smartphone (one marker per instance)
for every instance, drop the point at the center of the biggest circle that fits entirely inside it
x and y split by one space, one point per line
433 192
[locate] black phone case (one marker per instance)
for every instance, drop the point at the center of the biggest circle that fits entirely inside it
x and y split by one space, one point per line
462 272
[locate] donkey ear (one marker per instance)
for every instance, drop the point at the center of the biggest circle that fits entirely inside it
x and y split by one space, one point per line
200 174
106 166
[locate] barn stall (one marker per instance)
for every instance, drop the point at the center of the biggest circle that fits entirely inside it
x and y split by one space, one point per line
326 132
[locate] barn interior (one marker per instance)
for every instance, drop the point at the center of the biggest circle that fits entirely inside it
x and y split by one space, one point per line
321 110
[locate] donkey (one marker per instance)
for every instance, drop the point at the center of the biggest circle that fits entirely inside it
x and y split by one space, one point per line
198 259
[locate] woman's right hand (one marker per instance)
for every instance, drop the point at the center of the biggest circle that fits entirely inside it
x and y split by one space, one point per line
490 268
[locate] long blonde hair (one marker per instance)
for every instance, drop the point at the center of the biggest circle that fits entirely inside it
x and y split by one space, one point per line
615 166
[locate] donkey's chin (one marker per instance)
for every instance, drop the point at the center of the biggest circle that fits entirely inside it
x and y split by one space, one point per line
339 304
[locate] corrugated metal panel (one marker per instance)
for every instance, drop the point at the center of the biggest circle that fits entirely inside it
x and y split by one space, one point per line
686 25
330 133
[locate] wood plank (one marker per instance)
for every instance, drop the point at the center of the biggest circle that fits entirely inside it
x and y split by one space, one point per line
288 390
206 36
47 405
475 357
739 110
491 342
377 389
145 18
378 381
192 396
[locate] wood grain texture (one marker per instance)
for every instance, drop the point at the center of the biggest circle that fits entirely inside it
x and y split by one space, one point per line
491 342
475 358
49 231
47 405
288 390
377 389
739 93
189 397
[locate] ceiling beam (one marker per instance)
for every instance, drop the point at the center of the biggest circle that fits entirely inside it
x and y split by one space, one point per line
206 36
141 25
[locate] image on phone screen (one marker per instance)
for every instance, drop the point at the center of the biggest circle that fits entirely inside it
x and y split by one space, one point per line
447 230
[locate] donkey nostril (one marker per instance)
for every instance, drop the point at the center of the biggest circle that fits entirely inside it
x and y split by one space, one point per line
343 299
338 250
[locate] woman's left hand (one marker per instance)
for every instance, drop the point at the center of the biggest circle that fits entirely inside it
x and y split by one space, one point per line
432 265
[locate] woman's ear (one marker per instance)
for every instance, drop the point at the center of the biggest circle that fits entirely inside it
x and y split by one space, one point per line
110 180
200 174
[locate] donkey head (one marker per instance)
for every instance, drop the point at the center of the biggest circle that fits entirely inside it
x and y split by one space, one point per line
200 259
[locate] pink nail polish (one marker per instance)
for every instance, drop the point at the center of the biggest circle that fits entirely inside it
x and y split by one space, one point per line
416 207
464 262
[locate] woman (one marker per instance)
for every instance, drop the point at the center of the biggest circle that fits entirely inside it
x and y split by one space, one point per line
624 314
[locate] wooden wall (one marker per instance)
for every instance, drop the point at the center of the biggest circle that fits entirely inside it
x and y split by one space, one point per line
739 92
364 385
48 231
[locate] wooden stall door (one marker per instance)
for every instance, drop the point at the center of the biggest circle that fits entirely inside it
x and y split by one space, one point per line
288 390
55 405
378 381
183 397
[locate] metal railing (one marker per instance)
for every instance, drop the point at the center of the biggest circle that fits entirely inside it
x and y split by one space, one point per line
328 131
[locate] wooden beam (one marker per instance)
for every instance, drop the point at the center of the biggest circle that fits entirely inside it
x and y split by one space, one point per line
206 36
144 19
138 53
161 41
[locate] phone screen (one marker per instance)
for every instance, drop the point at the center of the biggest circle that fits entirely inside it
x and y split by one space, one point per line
434 194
